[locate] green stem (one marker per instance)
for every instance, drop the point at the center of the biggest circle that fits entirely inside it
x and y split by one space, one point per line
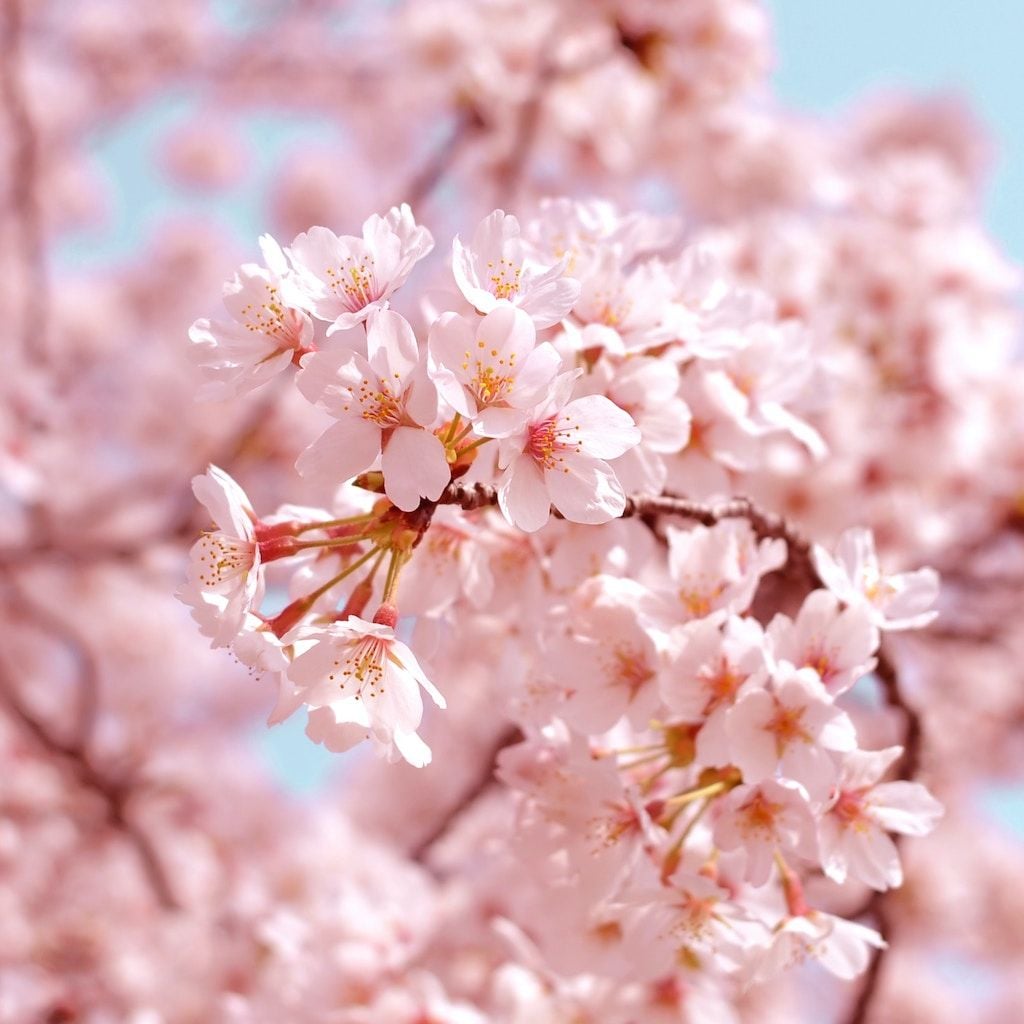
465 433
327 523
391 580
475 444
320 591
451 430
337 542
713 789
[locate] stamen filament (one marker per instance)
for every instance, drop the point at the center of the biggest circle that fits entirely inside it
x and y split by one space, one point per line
346 521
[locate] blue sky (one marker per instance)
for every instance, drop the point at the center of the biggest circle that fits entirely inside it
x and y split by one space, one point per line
830 52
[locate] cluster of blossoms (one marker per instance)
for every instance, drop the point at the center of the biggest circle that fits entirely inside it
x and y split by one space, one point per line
685 761
711 735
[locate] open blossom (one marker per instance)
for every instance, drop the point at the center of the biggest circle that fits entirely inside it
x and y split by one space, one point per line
345 278
838 644
607 662
382 404
717 568
622 312
647 388
363 683
492 371
842 947
558 459
224 563
761 382
451 564
500 266
791 726
764 819
266 333
900 601
692 917
713 667
853 833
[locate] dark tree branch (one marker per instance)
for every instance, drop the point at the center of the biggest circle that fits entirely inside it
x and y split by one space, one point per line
507 738
468 125
23 198
876 905
114 794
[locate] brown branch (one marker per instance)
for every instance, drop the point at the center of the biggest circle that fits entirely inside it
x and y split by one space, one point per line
481 784
468 124
906 768
765 524
22 197
114 794
859 1012
85 663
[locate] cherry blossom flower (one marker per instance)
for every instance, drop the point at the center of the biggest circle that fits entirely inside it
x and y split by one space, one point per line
901 601
492 371
838 645
267 331
717 568
692 919
450 564
558 459
622 312
363 683
792 726
606 660
853 833
343 278
581 231
647 388
842 947
773 816
224 565
580 824
711 668
381 403
499 266
763 381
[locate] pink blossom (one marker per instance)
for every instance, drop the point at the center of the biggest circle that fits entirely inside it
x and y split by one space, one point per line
900 601
619 311
492 371
558 459
451 564
792 726
838 645
717 568
363 683
606 661
381 403
499 266
853 833
266 333
711 668
344 278
693 918
762 820
224 565
842 947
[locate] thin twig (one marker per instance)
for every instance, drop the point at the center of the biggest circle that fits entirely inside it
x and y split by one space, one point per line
88 675
23 198
467 125
115 794
765 524
481 784
906 768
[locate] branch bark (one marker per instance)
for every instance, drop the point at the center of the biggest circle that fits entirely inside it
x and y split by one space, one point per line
23 198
